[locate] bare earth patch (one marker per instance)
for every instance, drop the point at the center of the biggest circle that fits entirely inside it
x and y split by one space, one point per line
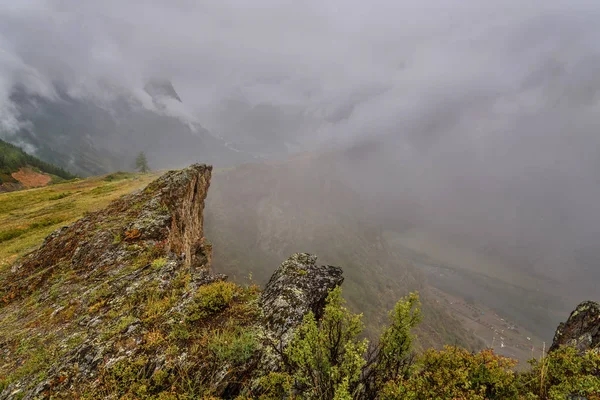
29 178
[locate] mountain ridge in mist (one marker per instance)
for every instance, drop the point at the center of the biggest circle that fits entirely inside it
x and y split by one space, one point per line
90 137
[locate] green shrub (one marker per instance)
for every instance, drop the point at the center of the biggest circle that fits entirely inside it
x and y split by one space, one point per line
233 346
326 359
391 358
118 176
275 385
564 372
211 299
11 234
455 373
59 196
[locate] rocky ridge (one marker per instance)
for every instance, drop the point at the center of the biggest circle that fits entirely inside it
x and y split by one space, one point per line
123 302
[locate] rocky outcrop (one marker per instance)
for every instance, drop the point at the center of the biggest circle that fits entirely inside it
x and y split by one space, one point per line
582 328
123 303
86 295
298 286
159 88
167 215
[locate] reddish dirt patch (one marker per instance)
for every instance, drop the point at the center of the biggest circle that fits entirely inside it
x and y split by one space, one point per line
29 178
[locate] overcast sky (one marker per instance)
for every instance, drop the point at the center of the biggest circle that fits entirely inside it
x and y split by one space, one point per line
496 101
385 62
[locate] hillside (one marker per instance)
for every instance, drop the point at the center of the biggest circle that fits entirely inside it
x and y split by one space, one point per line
123 304
299 204
277 218
28 216
93 137
20 170
249 240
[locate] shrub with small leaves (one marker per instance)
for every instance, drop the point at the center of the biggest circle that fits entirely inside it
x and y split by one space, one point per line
326 358
456 373
563 373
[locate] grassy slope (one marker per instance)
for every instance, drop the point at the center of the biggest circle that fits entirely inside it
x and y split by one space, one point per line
46 324
27 217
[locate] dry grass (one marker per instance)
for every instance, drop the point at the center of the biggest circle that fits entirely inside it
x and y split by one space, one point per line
28 216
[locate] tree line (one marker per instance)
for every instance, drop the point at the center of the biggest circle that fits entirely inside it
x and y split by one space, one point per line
13 157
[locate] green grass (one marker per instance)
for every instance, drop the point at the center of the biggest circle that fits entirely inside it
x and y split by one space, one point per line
28 216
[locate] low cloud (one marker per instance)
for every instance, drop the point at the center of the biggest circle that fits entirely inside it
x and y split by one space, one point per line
485 112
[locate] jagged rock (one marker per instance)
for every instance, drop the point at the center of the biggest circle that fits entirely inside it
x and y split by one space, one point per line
120 299
168 213
582 328
95 274
298 286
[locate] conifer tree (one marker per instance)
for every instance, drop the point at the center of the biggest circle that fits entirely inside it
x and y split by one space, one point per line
141 163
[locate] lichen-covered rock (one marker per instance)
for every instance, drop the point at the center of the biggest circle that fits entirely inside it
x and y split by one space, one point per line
167 213
582 328
122 304
298 286
95 291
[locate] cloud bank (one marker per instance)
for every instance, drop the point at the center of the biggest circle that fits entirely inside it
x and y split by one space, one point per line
486 113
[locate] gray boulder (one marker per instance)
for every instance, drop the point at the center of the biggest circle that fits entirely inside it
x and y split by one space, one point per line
582 328
298 286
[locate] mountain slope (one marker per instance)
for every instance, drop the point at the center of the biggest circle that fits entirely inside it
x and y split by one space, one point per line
28 216
96 136
259 213
122 303
19 169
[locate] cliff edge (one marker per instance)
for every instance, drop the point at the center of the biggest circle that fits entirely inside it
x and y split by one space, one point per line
123 303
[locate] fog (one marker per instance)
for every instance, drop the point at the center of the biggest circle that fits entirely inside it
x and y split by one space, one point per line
466 125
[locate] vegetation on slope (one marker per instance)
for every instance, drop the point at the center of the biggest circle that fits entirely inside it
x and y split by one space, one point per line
121 305
12 158
295 205
27 217
327 359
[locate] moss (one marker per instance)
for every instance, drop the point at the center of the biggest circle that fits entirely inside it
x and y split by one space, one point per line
100 292
123 323
36 357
